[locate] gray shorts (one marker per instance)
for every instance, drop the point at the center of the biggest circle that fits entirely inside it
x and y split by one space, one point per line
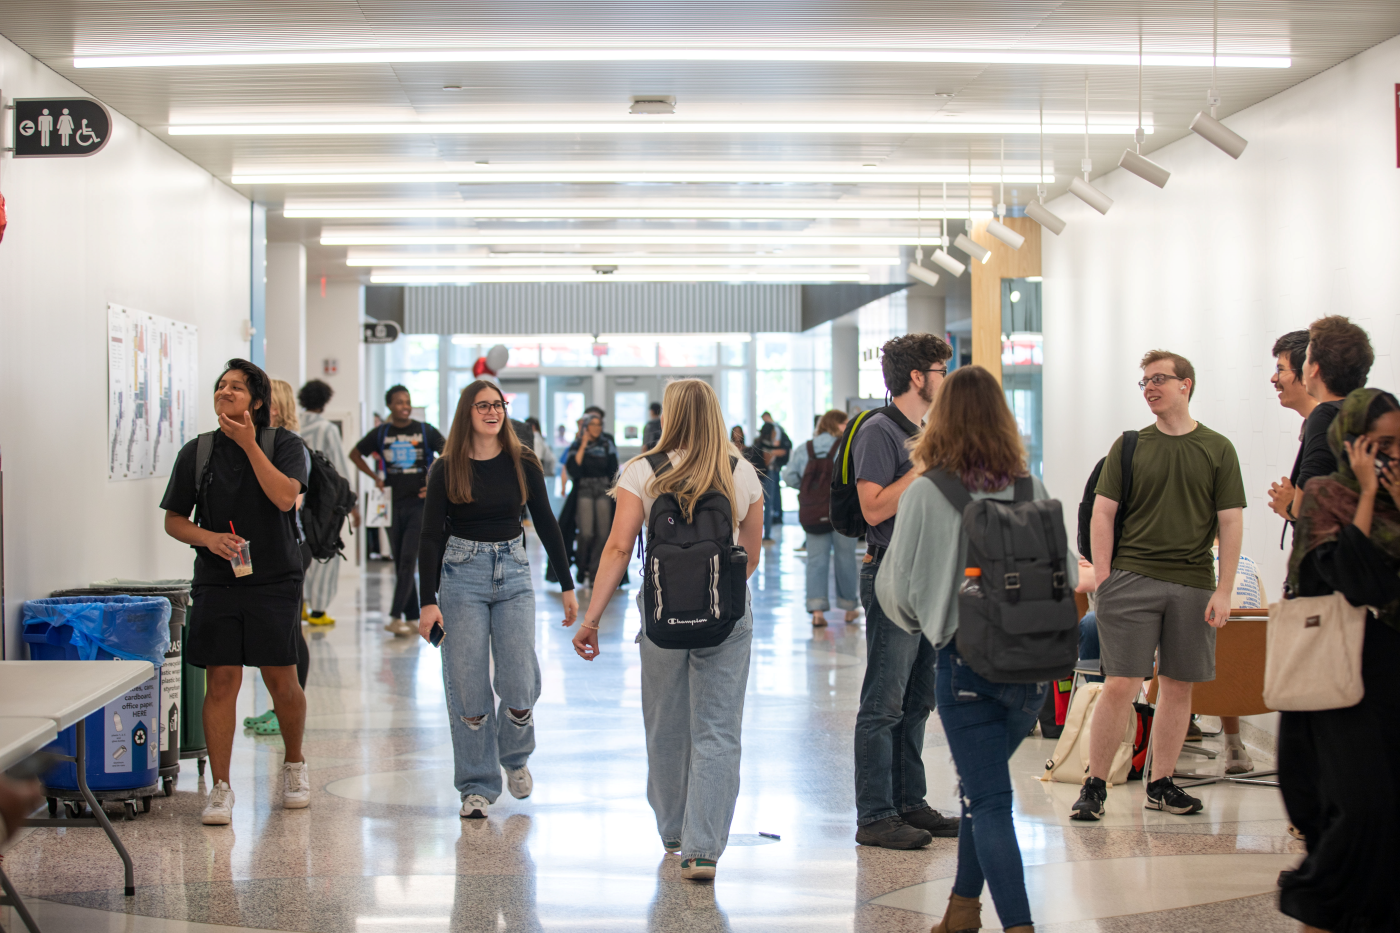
1139 617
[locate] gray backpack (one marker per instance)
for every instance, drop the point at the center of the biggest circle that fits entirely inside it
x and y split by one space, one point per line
1024 628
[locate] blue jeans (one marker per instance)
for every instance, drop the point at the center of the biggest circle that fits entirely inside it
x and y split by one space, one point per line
1089 644
820 550
488 605
895 700
984 723
693 708
772 500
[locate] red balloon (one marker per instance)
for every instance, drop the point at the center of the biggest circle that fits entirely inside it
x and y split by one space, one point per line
479 368
3 219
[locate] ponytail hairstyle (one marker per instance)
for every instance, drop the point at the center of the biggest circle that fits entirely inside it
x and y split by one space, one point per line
694 425
456 456
970 432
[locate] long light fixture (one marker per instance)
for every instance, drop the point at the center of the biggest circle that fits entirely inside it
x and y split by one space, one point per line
643 127
1036 210
916 268
994 226
622 212
1081 188
1208 127
1132 159
877 56
369 238
965 242
486 175
533 260
411 278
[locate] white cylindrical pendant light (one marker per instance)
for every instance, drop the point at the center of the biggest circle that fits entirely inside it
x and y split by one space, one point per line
1004 233
916 271
1218 135
1042 215
948 262
974 249
1090 195
1144 168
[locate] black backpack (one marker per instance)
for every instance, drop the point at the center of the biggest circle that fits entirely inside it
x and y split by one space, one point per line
1024 628
204 450
694 580
1086 505
814 496
846 516
329 500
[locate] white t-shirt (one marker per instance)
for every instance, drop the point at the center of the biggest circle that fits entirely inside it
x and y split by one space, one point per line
747 487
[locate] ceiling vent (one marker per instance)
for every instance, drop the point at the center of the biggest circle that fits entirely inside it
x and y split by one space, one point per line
653 104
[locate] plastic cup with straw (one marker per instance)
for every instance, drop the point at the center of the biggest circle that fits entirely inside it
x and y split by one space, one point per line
242 561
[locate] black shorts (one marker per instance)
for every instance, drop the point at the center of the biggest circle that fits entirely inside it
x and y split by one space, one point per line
245 626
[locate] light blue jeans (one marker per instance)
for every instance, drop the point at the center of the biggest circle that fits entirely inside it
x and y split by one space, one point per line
488 604
820 551
693 708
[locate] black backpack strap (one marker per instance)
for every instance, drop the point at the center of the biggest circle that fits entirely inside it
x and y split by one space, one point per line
203 450
1012 579
951 487
812 452
1130 440
267 440
660 463
733 462
1059 582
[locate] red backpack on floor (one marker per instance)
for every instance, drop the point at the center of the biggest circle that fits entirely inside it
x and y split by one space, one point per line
1142 740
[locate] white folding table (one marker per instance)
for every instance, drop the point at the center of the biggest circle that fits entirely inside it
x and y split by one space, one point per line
21 737
65 692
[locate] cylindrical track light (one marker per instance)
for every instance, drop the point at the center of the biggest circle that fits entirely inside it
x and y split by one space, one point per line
1144 168
948 262
1004 233
1090 195
974 249
915 271
1218 135
1042 215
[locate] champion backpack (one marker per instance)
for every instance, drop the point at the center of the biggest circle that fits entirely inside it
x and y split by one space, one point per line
846 517
1024 628
1086 505
329 500
814 495
694 578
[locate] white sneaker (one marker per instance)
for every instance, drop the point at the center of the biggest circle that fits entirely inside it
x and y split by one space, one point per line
520 782
1237 760
296 785
219 810
474 807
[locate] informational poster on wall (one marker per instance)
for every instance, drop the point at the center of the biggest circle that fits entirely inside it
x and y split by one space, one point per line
128 722
152 408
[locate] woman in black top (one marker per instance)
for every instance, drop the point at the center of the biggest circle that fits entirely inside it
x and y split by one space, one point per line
592 465
477 586
752 454
1338 768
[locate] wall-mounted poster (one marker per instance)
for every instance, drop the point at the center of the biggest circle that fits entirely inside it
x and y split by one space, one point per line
152 408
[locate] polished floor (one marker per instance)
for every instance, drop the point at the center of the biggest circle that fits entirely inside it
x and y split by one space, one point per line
382 850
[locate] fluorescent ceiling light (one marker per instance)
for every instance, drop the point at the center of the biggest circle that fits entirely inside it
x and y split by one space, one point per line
874 56
397 278
611 259
485 176
678 212
726 238
648 127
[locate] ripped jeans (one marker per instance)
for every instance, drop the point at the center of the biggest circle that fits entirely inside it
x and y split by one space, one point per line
488 604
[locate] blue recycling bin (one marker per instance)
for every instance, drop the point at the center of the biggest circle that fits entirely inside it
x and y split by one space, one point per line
122 738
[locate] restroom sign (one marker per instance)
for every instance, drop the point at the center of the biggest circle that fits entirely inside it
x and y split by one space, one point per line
46 128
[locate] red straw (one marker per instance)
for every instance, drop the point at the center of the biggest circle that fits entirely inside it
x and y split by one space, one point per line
230 528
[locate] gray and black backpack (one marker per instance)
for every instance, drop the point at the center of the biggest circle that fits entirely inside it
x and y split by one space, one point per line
1024 628
694 584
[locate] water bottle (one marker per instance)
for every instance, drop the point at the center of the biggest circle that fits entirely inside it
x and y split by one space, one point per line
972 583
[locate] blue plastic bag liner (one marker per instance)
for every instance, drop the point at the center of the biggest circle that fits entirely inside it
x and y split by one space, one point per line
133 627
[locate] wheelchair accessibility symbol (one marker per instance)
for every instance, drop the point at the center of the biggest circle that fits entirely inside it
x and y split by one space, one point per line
50 128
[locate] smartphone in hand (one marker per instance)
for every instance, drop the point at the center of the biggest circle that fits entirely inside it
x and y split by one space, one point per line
437 634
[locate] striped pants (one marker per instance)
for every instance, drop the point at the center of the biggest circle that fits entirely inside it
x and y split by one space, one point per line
321 583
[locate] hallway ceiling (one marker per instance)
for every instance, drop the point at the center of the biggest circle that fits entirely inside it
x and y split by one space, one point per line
893 100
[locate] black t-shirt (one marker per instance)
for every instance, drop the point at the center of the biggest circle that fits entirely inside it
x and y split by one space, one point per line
599 459
404 454
1315 457
233 493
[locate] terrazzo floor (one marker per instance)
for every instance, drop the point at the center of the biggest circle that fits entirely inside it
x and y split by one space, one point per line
382 849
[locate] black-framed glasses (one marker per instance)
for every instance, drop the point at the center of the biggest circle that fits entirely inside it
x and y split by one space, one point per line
1158 380
941 370
484 408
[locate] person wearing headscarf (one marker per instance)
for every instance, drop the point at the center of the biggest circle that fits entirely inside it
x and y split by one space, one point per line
1340 769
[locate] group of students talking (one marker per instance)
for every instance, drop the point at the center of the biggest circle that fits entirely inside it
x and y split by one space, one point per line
1159 602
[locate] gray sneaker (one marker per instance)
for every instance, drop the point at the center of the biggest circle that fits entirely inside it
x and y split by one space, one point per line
893 833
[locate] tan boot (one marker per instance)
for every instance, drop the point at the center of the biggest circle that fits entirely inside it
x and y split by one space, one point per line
964 915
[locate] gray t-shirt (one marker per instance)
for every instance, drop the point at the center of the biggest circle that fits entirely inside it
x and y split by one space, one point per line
882 458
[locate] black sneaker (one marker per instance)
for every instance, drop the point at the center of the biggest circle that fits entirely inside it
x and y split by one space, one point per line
933 822
892 833
1089 806
1194 733
1163 794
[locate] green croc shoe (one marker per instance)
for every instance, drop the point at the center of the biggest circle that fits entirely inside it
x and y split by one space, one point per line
250 722
268 727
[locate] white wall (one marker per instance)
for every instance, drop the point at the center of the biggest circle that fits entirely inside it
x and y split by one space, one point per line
135 224
285 322
333 332
1216 266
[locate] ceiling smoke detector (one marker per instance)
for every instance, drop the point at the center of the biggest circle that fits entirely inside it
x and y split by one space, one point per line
605 270
653 104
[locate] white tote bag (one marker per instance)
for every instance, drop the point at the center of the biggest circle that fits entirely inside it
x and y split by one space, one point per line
379 509
1313 653
1069 763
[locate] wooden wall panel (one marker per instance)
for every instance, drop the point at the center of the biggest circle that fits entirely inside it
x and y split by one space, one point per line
1004 263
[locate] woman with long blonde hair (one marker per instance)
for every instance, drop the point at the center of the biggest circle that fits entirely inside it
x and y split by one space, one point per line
478 594
971 434
692 699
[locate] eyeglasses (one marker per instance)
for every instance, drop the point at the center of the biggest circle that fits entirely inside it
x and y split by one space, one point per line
484 408
1158 380
1280 370
941 370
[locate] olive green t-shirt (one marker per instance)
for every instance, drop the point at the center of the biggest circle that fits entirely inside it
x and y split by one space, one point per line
1179 484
